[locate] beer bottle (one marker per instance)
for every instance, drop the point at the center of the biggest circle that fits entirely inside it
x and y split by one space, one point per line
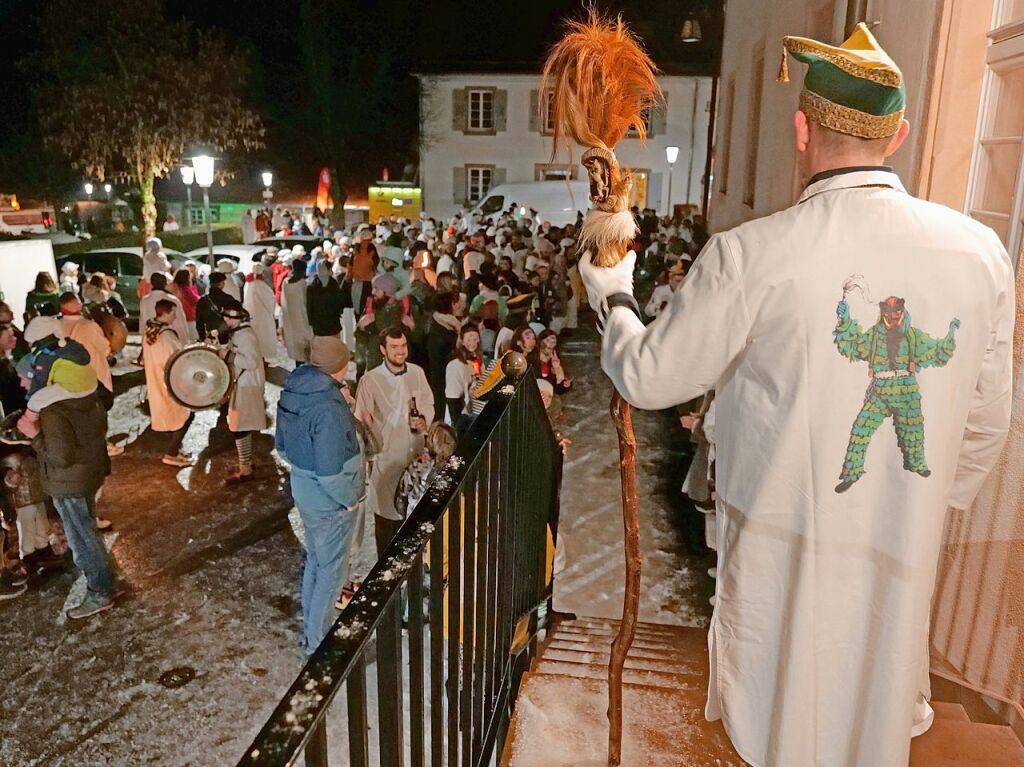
414 416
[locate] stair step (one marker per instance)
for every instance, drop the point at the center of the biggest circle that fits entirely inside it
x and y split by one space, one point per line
609 625
606 638
632 662
666 653
562 720
695 680
951 711
952 743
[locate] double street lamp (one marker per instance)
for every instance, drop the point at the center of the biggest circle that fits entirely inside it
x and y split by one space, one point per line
671 154
203 166
188 175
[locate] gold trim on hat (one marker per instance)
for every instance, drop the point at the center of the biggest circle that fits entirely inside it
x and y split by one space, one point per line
874 74
848 120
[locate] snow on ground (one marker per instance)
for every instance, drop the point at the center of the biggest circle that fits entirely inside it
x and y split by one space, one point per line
215 578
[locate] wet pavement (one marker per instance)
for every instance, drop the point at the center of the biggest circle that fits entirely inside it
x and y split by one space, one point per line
186 668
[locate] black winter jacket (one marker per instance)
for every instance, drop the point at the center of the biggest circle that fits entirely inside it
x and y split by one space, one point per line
72 447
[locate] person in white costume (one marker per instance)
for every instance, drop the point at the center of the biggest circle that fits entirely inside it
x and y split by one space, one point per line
260 303
819 638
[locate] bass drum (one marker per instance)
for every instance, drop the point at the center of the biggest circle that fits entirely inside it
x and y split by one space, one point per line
113 328
197 377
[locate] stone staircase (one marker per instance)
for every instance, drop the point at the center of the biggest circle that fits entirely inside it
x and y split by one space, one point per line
560 715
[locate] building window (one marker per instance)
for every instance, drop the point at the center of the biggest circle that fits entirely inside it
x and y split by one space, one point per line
548 126
756 88
641 181
646 117
727 126
479 178
997 171
553 172
480 112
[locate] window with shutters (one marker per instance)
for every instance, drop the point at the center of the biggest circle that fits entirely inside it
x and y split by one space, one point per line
646 116
548 126
553 172
480 110
996 194
756 91
479 178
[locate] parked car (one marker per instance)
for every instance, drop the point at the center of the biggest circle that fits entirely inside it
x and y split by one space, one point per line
244 256
288 242
126 266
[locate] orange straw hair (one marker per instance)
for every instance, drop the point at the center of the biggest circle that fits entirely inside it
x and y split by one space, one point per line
602 81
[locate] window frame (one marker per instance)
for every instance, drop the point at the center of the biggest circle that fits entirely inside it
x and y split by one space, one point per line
540 169
482 91
647 115
478 168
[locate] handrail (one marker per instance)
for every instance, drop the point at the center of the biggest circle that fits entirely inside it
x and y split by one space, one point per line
297 721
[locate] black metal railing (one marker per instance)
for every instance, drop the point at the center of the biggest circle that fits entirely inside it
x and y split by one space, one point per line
475 550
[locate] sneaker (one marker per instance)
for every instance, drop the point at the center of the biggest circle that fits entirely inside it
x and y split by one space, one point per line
179 461
103 524
88 607
44 560
113 450
12 435
237 478
17 575
8 590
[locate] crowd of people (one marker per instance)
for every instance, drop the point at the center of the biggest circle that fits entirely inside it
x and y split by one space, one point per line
393 330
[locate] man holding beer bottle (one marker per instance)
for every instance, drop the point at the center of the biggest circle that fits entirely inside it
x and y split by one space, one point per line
391 401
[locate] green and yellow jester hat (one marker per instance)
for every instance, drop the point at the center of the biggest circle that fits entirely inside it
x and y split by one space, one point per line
854 89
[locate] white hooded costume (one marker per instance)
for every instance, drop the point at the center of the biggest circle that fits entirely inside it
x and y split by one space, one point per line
260 303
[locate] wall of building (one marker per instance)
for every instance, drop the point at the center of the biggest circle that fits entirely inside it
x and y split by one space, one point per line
517 147
762 181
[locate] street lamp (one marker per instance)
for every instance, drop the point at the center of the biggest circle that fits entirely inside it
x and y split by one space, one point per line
88 189
107 188
188 175
671 154
268 180
203 165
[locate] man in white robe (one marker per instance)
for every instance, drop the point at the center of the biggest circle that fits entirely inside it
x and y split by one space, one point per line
384 401
147 305
260 303
819 638
159 342
295 327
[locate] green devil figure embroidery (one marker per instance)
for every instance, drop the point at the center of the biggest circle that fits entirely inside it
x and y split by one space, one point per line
895 351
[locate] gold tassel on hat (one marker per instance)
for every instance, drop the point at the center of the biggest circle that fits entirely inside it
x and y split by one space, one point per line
784 67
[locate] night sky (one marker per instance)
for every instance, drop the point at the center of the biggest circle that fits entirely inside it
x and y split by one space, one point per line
418 36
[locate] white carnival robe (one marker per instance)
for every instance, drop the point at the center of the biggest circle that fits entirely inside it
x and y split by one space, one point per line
147 311
260 303
295 327
382 403
247 408
165 413
819 639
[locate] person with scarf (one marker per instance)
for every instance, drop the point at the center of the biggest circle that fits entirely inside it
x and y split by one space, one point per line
259 303
160 342
383 311
462 377
442 336
295 327
247 410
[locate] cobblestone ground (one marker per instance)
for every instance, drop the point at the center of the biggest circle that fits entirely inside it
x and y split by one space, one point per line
215 602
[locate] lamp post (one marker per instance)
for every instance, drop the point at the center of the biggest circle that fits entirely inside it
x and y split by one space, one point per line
204 177
88 189
188 175
671 154
107 188
268 180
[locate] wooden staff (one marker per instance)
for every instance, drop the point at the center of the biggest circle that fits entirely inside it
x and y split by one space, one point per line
601 81
623 418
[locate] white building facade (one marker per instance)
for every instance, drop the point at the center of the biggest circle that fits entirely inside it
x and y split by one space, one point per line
481 130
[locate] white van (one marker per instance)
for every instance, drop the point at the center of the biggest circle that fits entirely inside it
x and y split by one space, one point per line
20 262
556 202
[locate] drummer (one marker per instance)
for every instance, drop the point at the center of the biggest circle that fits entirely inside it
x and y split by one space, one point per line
160 342
247 410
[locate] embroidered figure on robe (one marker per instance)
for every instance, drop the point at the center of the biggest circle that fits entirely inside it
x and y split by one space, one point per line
895 351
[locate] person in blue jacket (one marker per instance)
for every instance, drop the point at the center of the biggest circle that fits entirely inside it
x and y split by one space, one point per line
316 434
